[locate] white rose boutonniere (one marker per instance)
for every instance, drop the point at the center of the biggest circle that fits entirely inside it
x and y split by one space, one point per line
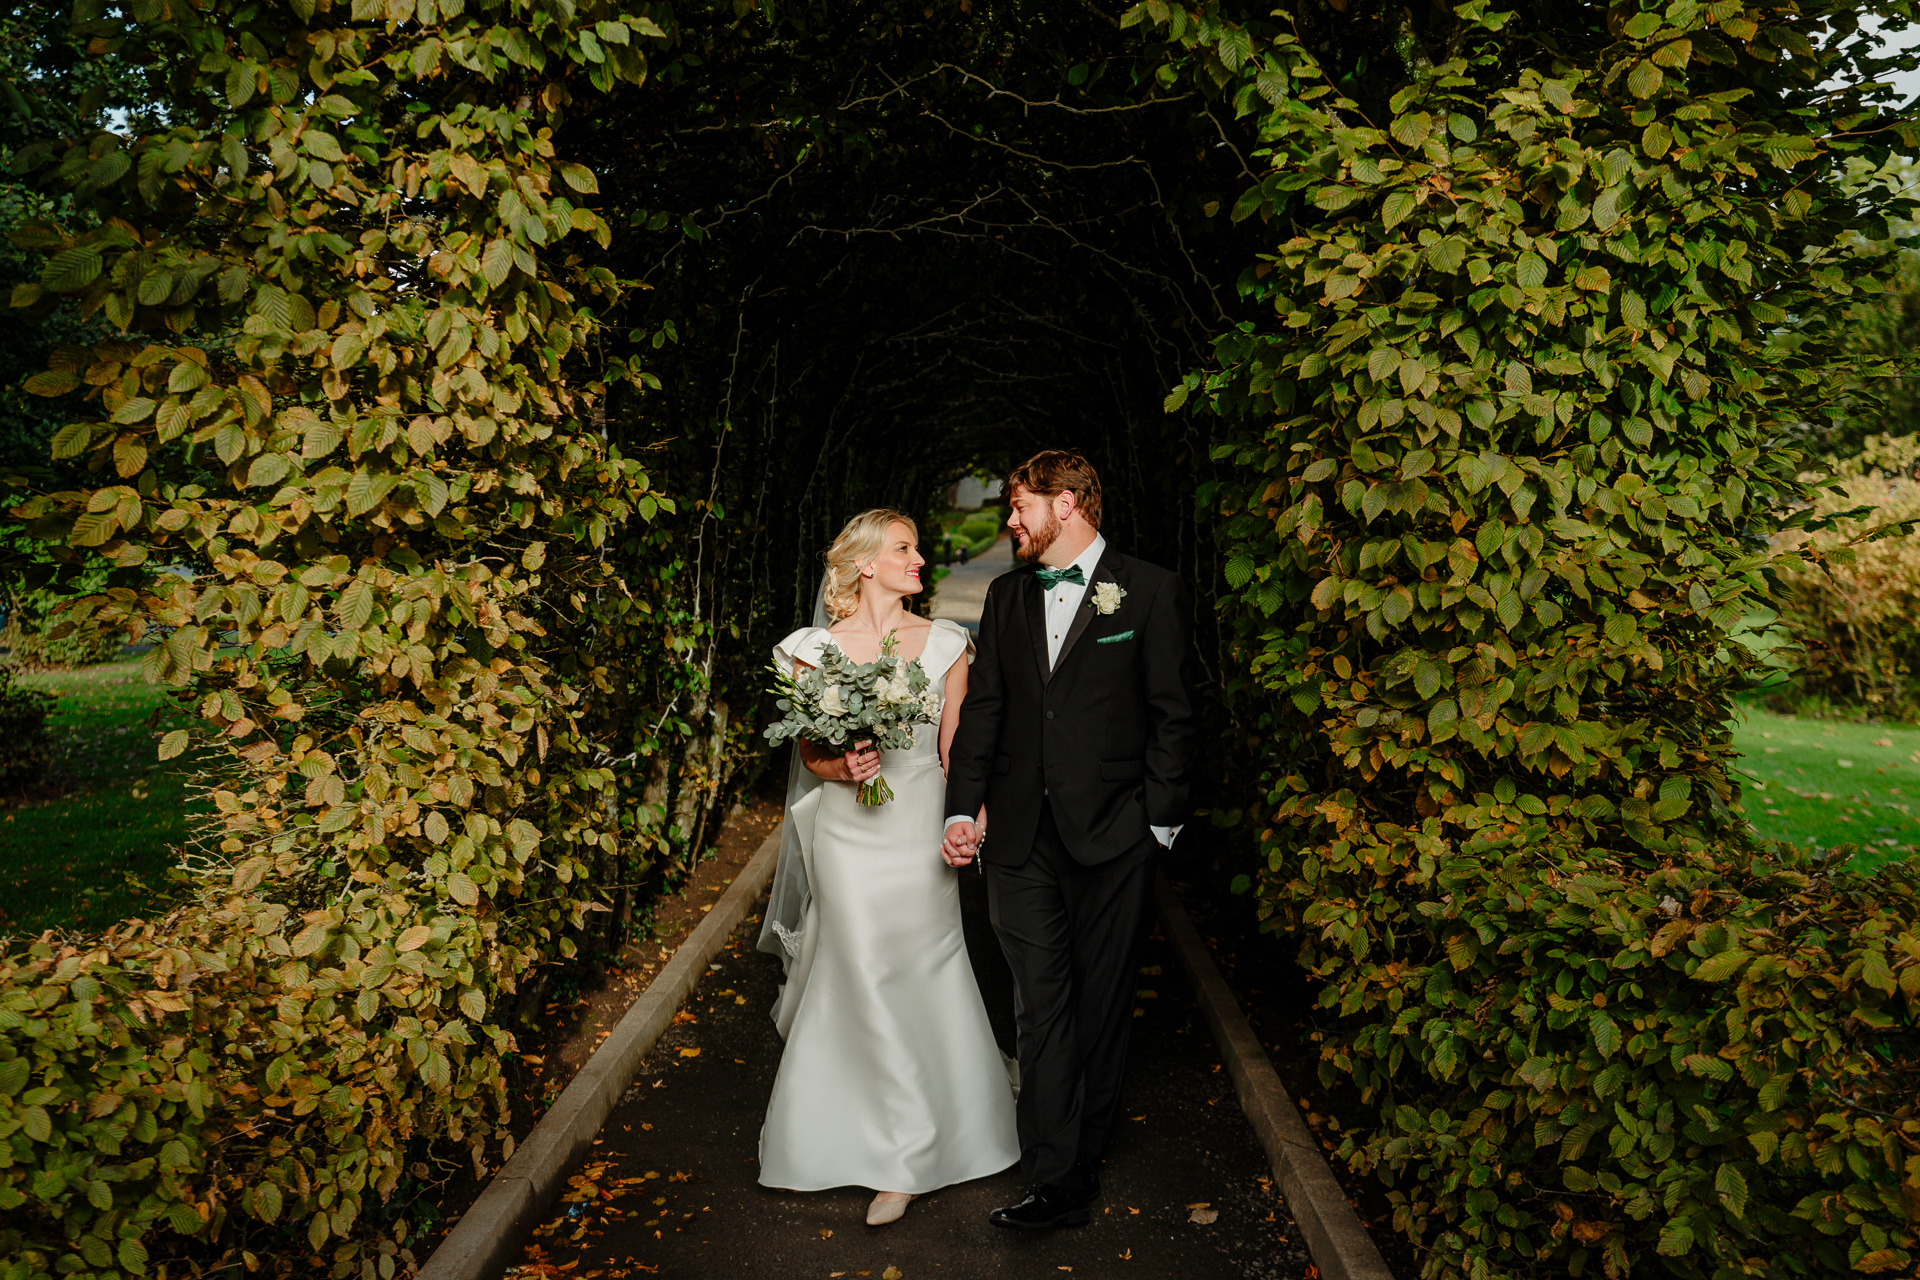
1106 598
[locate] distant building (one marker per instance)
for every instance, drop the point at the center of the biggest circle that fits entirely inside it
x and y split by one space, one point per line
971 494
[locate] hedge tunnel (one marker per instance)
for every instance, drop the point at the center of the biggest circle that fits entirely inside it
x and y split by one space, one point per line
492 373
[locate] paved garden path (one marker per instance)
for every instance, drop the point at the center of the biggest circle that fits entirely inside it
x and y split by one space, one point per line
672 1190
963 591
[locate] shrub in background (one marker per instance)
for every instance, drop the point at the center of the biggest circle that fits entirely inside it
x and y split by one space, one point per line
347 385
981 530
1507 448
41 631
1852 606
26 748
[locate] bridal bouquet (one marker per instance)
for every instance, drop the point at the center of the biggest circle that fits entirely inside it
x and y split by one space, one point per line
841 702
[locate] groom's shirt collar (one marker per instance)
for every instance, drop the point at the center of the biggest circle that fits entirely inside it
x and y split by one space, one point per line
1090 558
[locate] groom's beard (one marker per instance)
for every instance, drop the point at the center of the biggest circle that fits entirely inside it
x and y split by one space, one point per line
1035 543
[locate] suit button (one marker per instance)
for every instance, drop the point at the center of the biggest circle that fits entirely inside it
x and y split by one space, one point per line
1049 715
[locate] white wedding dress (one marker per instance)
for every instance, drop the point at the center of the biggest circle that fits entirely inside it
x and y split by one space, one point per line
891 1079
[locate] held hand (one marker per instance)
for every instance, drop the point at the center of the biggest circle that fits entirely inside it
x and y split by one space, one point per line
962 842
861 763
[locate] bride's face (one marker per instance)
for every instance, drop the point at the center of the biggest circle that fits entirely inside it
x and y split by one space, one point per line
896 570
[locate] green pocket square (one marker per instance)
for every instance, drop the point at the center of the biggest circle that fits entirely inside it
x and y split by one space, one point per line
1115 639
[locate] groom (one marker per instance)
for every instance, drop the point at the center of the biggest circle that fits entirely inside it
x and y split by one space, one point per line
1076 735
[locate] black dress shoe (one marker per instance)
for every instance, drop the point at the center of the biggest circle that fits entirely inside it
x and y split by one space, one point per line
1045 1207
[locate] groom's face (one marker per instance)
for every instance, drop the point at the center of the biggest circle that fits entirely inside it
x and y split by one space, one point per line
1031 517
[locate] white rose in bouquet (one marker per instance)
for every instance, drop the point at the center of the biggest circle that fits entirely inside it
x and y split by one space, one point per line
830 703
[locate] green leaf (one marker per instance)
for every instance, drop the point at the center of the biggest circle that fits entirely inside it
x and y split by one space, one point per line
1606 209
1234 47
51 383
268 469
497 261
186 376
462 889
1721 967
355 606
71 269
1412 129
174 743
155 286
1239 571
311 939
1676 1237
71 440
266 1202
1645 79
1396 208
1727 1180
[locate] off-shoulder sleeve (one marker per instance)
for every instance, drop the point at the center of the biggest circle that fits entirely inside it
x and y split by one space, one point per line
948 642
802 646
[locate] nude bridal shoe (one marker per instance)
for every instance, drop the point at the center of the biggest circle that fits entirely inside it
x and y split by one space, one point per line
887 1207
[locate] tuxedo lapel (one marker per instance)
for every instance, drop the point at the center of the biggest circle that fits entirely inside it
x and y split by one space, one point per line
1083 616
1033 600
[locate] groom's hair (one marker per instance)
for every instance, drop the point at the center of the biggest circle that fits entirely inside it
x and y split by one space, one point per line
1053 471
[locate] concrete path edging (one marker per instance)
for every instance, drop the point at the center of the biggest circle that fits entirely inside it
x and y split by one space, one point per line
1340 1245
483 1244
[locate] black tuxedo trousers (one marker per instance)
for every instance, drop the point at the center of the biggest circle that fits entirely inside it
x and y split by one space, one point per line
1071 935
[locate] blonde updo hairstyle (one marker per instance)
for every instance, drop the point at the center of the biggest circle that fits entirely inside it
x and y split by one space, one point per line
855 548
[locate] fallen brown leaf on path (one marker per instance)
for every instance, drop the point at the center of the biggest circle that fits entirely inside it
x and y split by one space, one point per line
1205 1217
826 1233
891 1273
689 1053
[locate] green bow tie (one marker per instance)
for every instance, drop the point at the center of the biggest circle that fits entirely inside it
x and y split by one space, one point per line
1051 578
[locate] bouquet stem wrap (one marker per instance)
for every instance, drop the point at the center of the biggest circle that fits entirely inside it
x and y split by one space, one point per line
841 702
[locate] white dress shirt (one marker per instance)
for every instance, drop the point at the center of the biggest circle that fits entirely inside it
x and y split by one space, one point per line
1064 600
1063 604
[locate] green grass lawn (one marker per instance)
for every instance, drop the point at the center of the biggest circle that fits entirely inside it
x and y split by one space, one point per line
101 851
1826 783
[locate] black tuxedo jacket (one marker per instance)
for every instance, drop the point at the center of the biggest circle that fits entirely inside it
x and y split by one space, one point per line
1107 735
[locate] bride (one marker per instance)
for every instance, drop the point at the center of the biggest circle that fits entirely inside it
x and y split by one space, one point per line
891 1078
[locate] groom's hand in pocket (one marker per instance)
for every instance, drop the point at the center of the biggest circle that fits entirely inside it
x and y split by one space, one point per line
962 842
